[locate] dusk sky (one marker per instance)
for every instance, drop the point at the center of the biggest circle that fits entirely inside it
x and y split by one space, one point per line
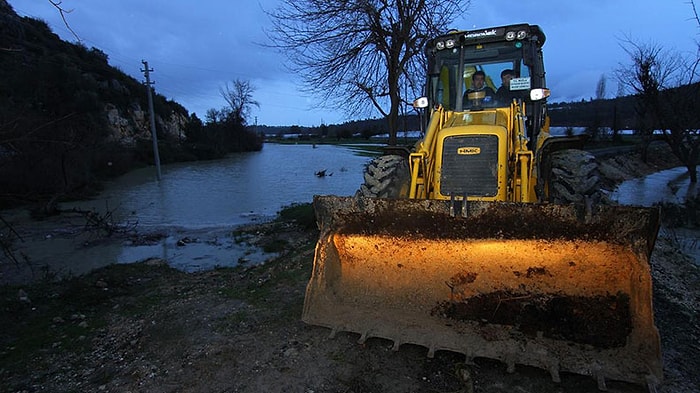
195 48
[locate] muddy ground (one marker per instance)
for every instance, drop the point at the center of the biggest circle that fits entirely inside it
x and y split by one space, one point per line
145 327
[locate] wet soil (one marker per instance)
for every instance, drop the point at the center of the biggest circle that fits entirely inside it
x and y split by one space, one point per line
146 327
600 321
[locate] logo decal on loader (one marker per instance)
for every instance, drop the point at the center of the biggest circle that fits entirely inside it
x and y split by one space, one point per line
468 151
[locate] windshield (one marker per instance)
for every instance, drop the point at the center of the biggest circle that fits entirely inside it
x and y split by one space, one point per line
456 73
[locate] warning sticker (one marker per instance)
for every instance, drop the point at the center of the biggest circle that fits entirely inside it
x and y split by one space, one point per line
520 83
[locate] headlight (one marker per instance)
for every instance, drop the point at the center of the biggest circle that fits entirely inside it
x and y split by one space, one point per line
510 36
449 44
522 34
440 45
421 102
539 94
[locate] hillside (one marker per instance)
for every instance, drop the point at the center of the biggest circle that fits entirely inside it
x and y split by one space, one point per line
51 80
69 120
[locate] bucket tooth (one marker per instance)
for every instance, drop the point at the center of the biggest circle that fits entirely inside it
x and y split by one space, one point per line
652 383
431 351
363 337
469 360
554 372
469 357
601 381
333 332
510 366
397 344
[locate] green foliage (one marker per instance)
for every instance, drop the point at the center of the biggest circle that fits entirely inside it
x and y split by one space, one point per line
54 137
344 133
222 134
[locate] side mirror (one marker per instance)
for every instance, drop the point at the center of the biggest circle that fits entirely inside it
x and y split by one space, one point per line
421 102
539 94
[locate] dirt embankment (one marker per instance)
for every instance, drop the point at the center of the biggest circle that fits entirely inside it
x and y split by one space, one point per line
618 168
146 327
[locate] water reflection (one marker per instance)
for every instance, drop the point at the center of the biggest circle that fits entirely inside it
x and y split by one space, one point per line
669 186
232 191
200 201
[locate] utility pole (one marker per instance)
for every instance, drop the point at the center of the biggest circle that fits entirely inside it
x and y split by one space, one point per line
154 136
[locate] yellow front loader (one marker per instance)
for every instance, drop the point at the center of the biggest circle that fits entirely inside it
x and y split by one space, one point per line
490 237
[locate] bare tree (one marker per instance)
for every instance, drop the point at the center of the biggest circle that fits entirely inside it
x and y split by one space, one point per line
595 129
600 88
666 86
239 98
361 55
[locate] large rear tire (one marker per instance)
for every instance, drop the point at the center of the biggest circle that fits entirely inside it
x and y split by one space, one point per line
575 178
386 177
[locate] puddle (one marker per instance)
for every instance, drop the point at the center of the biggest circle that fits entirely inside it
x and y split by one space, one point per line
192 252
60 247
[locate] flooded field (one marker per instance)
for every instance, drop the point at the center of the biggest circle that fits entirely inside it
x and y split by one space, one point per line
188 216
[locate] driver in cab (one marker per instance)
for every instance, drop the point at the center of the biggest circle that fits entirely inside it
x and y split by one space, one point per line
479 85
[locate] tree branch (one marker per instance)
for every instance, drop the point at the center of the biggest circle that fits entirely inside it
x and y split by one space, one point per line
360 55
63 12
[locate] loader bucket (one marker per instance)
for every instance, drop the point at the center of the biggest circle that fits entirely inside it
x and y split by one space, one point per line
543 285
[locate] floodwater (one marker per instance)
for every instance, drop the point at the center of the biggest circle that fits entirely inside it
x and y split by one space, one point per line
669 186
232 191
194 207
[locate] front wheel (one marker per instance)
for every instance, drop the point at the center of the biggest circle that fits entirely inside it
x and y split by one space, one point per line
575 178
386 177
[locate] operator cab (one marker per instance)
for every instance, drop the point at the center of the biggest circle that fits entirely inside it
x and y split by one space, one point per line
454 58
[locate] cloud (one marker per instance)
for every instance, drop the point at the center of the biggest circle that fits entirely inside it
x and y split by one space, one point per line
197 47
